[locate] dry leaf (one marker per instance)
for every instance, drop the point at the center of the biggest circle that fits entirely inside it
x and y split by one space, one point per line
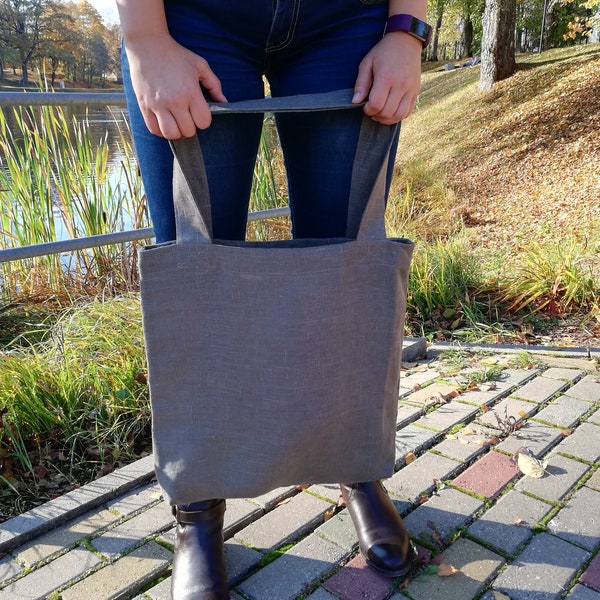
450 436
489 360
494 440
328 514
500 596
523 414
445 570
468 431
410 457
482 442
566 432
463 441
529 465
518 521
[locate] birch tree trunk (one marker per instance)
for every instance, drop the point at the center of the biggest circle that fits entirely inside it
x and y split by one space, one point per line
498 42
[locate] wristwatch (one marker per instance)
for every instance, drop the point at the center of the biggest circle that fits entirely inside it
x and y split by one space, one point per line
411 25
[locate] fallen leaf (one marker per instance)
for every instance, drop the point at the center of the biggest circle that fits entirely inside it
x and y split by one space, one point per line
500 596
489 360
450 436
328 514
494 440
410 457
518 521
566 432
523 414
446 570
529 465
468 431
463 441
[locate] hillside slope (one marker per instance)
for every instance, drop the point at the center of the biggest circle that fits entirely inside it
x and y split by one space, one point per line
523 159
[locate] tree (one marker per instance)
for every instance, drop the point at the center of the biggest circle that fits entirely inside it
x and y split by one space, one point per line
23 24
498 42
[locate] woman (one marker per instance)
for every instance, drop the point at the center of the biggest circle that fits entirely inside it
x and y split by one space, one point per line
178 54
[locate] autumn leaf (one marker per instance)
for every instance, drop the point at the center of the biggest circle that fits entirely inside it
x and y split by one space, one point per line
468 431
446 570
410 457
500 596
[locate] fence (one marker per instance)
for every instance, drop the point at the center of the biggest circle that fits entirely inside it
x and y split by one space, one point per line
91 99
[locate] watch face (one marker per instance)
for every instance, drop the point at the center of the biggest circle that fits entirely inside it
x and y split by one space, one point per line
421 29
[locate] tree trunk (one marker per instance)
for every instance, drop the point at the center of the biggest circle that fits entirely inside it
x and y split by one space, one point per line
498 42
436 37
24 76
468 36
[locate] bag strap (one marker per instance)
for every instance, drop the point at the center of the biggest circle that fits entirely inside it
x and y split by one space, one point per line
366 208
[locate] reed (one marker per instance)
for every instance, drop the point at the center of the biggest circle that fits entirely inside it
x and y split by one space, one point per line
55 182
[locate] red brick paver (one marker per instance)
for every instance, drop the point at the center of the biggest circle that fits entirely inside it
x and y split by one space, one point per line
591 576
355 581
489 475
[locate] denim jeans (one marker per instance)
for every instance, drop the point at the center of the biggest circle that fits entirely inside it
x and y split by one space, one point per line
299 46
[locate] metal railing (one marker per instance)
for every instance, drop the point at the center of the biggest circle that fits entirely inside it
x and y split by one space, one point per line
72 245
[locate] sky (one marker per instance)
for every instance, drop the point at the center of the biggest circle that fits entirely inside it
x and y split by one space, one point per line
107 9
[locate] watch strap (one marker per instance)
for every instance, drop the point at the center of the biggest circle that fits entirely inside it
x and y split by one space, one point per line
411 25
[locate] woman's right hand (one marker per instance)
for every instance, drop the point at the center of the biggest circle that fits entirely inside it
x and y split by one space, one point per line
166 78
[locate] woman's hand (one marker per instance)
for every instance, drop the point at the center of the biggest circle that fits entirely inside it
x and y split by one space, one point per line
389 78
166 78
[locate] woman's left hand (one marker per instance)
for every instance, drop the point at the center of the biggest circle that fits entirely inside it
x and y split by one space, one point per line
389 78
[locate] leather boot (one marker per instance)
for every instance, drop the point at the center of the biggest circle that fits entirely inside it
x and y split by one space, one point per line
382 537
199 561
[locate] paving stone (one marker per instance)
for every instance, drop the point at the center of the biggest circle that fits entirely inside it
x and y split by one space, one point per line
43 581
586 389
356 581
290 575
328 491
162 591
571 375
508 524
67 536
125 536
591 576
583 443
447 415
239 560
239 513
339 530
489 475
564 475
422 397
540 389
594 418
537 437
464 451
9 568
580 592
594 481
419 477
285 523
321 594
482 397
514 377
569 524
128 574
542 571
407 413
509 408
137 499
271 499
477 566
447 511
413 439
564 411
415 380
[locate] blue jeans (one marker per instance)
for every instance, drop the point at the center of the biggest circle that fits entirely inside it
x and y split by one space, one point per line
300 46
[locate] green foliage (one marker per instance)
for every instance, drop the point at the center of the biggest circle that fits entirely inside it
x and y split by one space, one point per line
83 387
556 277
55 179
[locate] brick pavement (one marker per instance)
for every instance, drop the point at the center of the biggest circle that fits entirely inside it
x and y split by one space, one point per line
464 501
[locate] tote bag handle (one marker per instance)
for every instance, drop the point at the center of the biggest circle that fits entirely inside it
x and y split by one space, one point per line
366 207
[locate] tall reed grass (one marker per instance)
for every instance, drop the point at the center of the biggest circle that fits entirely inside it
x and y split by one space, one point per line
55 182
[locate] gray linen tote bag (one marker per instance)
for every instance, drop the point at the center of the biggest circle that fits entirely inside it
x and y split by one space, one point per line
274 363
